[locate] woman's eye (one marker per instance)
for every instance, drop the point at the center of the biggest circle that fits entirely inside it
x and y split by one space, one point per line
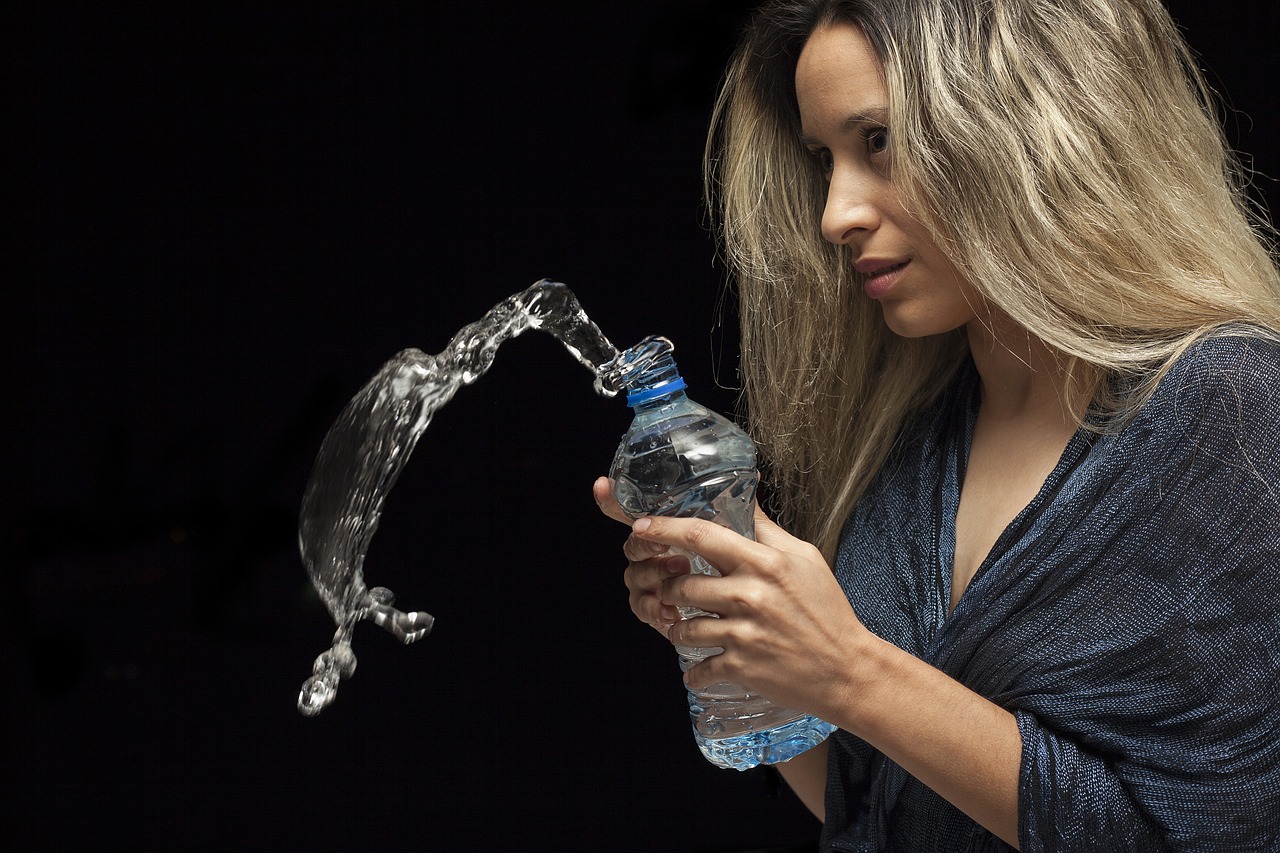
826 162
877 140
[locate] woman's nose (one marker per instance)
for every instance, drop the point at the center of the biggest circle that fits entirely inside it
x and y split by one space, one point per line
850 210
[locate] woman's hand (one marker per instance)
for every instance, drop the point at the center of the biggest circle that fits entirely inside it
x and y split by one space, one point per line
786 628
648 565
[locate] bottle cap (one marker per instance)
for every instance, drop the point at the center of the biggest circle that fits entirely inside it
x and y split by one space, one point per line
644 395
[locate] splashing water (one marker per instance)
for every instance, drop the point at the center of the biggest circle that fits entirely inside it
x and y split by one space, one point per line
369 444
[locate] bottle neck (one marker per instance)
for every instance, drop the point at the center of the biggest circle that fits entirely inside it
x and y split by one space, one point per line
656 384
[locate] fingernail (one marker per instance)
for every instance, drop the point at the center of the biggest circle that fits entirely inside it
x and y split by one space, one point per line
641 525
668 613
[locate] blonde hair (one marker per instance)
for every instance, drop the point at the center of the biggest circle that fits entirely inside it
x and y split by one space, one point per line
1064 153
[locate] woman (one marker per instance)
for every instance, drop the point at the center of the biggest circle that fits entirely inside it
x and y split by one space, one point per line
1010 353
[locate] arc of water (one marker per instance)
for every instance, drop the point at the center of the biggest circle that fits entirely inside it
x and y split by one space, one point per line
370 442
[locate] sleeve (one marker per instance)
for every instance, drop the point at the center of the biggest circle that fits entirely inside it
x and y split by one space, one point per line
1072 799
1154 722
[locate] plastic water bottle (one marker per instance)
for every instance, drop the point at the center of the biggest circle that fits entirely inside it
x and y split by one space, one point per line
681 459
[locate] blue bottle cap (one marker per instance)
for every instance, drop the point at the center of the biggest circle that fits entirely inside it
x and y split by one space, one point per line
644 395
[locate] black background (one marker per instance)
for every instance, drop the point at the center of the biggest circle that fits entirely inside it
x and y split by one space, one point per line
225 218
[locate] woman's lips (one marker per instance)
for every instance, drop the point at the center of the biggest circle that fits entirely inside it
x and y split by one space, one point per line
881 276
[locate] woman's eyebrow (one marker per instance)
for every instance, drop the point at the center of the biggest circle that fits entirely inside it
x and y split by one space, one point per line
872 115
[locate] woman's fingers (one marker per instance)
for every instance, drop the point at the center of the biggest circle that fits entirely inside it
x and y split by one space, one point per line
649 563
781 621
719 546
658 575
645 579
699 632
637 550
602 491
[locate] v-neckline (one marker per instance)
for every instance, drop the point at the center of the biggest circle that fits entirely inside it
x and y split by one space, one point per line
957 444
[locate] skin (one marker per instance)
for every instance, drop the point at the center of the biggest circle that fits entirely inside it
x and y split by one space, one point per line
788 631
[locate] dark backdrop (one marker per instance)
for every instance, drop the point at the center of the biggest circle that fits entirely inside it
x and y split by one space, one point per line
226 217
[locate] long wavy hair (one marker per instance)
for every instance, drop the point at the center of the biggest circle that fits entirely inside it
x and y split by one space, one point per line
1068 157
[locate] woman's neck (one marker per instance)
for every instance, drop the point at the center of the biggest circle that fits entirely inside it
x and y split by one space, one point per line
1022 378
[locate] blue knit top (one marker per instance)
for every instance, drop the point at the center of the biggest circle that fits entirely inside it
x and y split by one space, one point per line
1129 617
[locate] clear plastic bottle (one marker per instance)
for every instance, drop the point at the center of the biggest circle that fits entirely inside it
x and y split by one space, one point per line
681 459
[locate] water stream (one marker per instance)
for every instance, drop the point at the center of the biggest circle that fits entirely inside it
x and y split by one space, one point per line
370 442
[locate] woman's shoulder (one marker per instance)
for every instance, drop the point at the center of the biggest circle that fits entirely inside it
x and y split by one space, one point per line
1219 399
1237 353
1238 365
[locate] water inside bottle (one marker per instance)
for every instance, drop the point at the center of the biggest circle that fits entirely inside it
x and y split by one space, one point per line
679 459
370 442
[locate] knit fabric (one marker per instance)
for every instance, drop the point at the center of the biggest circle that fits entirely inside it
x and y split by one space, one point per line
1129 617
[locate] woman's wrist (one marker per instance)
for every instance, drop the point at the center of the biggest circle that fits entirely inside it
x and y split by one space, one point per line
959 743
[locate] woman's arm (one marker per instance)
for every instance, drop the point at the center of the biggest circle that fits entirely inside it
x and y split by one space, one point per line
964 747
790 634
806 776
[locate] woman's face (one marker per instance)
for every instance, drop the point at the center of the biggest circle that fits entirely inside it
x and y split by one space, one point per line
844 115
